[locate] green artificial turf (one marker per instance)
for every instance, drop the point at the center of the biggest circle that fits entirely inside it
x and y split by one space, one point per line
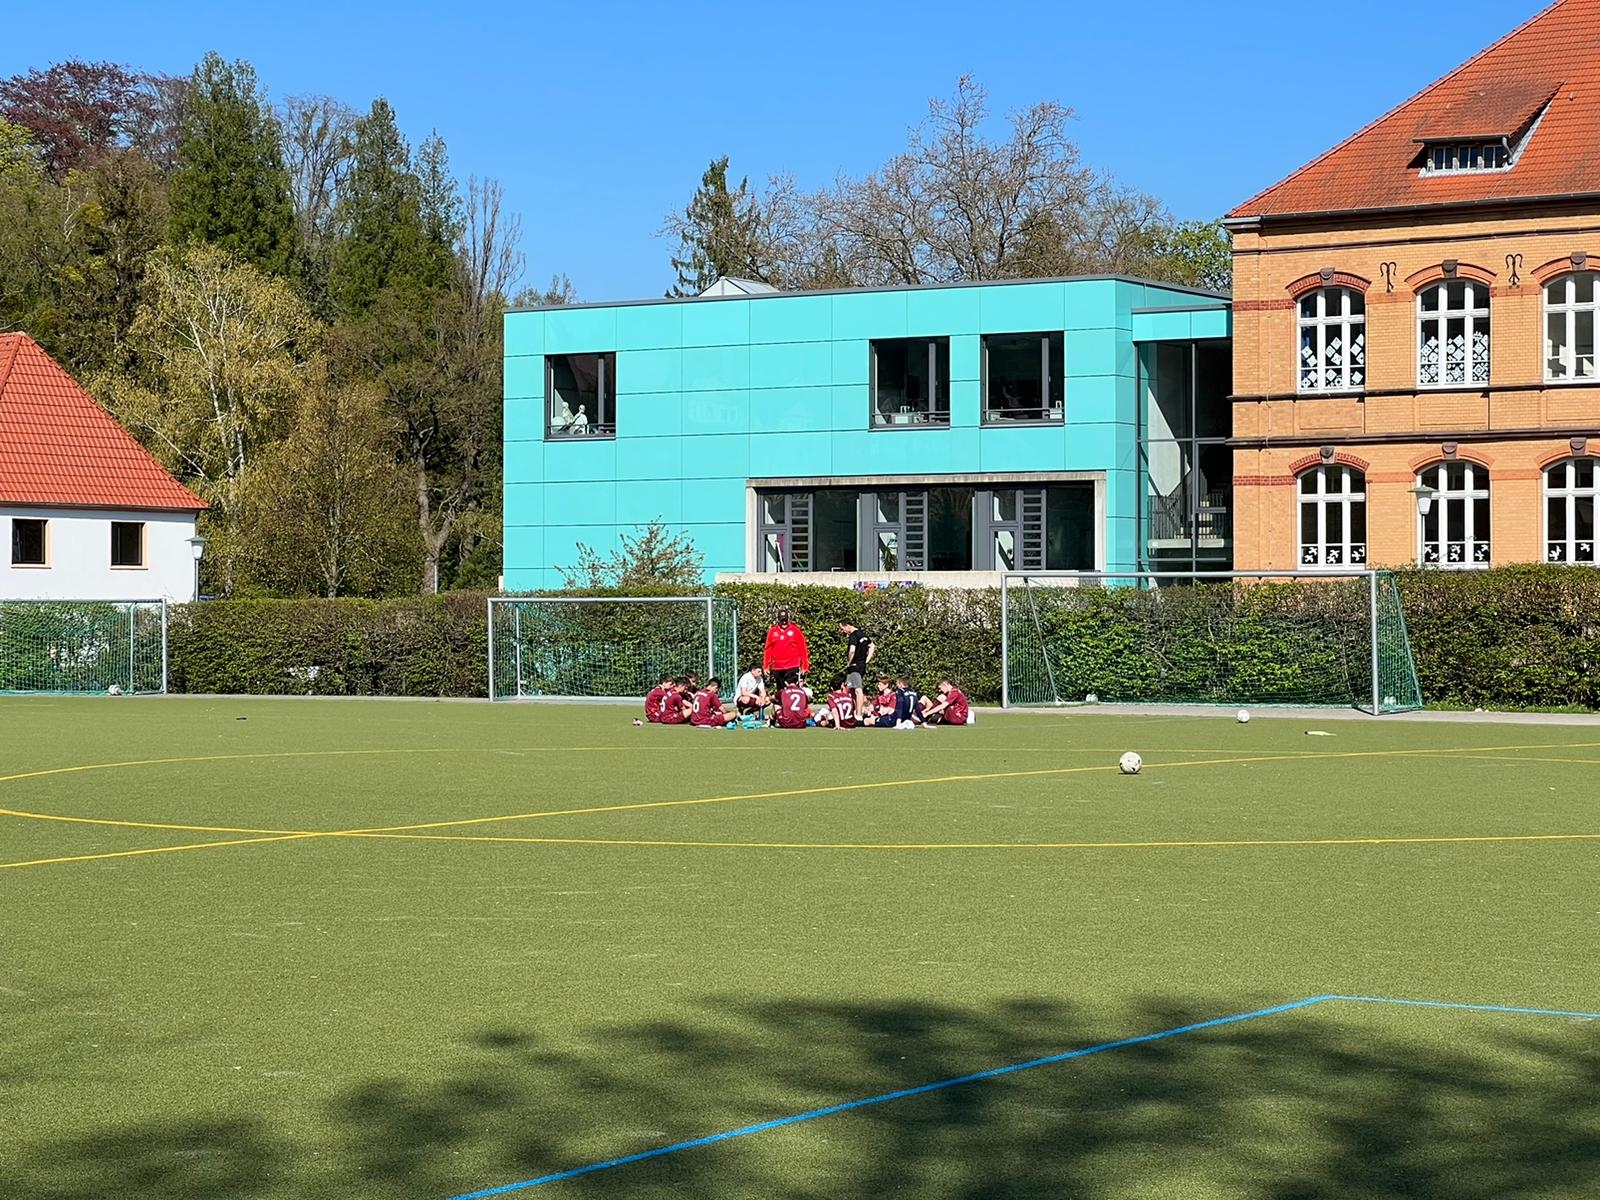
385 1017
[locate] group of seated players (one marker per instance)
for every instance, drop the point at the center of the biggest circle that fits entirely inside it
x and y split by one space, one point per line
683 700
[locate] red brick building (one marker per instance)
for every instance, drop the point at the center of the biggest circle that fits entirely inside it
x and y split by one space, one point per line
1415 320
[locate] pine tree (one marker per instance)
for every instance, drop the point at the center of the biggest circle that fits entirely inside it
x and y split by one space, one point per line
719 234
395 233
229 186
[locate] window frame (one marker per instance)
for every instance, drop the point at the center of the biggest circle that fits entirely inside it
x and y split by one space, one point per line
44 543
1322 322
1470 316
1346 499
1049 414
1571 493
1570 308
1476 552
936 411
596 426
144 556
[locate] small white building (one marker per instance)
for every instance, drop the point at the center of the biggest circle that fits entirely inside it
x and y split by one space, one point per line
85 512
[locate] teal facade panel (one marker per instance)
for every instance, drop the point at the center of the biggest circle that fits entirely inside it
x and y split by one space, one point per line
715 396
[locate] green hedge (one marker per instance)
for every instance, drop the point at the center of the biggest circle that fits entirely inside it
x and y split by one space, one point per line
1514 637
418 646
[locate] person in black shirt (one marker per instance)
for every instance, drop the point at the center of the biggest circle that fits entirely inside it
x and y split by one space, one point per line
859 649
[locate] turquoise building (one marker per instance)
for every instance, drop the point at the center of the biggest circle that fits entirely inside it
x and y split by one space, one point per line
1067 424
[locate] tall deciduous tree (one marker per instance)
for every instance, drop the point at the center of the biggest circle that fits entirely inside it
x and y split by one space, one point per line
230 187
221 348
318 139
79 112
719 233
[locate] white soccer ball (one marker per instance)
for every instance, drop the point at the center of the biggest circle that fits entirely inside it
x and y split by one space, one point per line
1130 763
114 690
1243 717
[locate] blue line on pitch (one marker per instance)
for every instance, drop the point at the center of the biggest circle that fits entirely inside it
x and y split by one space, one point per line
902 1094
997 1072
1488 1008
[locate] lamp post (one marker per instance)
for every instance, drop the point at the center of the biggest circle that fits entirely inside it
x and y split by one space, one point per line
198 544
1424 495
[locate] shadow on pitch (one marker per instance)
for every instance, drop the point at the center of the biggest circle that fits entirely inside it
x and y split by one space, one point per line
1325 1103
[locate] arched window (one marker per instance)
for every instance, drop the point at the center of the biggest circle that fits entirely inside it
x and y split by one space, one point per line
1453 335
1571 489
1333 517
1333 340
1454 532
1569 318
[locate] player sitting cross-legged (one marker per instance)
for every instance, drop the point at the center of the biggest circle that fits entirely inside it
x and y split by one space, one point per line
949 709
840 710
907 704
675 706
709 711
794 707
880 709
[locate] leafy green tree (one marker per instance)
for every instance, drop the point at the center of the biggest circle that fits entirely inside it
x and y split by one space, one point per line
1198 253
719 233
650 557
230 187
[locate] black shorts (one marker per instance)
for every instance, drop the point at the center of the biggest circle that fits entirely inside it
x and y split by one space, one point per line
782 678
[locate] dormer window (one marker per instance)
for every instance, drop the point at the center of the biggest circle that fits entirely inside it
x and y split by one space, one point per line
1456 157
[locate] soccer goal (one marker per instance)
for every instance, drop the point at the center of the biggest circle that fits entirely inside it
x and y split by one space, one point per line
83 646
1234 638
563 647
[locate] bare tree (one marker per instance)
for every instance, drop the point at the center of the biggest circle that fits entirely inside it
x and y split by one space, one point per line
318 139
490 254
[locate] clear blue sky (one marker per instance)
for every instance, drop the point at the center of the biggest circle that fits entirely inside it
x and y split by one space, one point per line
599 117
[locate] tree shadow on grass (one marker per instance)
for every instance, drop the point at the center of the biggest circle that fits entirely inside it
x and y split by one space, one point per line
1334 1101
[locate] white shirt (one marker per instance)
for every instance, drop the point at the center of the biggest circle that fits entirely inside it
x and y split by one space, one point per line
748 683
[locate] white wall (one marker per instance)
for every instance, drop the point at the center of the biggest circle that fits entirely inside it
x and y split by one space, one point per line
78 549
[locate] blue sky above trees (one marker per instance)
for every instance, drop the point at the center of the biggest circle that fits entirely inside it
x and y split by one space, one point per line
600 118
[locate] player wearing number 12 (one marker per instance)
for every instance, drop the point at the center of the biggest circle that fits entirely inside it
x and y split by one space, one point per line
840 711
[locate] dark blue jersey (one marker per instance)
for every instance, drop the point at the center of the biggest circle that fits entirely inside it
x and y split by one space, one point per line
907 705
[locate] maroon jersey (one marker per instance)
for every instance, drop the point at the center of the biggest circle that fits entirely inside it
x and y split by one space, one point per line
655 704
843 706
794 707
708 709
672 708
956 711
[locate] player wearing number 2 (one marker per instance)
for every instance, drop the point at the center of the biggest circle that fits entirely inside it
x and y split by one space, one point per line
794 707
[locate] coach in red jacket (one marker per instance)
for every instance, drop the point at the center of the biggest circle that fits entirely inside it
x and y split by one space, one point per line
785 655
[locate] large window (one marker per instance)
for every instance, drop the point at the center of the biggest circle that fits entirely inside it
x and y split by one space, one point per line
910 382
1023 377
1454 532
1333 340
1187 466
1453 335
29 542
127 543
1571 489
1333 517
1569 318
581 391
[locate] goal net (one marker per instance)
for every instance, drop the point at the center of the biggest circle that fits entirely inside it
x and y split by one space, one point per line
572 647
83 646
1237 638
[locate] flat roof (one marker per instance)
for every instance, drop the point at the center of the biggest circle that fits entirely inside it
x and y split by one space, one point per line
1203 293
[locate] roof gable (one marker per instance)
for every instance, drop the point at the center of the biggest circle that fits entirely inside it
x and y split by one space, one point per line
1541 80
59 447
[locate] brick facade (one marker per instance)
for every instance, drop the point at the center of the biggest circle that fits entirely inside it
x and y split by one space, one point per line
1515 426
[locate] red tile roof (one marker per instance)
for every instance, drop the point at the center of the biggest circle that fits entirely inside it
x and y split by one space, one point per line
59 447
1554 59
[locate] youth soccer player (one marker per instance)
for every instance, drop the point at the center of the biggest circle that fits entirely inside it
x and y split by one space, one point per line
880 710
675 705
794 707
950 709
907 704
750 693
841 707
655 702
709 712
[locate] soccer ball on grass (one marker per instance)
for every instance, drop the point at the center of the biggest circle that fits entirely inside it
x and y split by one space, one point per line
1243 716
1130 763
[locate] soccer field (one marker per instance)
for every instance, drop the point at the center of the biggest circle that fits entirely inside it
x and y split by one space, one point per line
365 949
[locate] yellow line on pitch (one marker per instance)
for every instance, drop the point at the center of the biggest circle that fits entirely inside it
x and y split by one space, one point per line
1221 843
75 858
33 816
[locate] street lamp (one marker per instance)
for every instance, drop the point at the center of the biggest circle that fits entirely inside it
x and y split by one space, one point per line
198 544
1424 495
